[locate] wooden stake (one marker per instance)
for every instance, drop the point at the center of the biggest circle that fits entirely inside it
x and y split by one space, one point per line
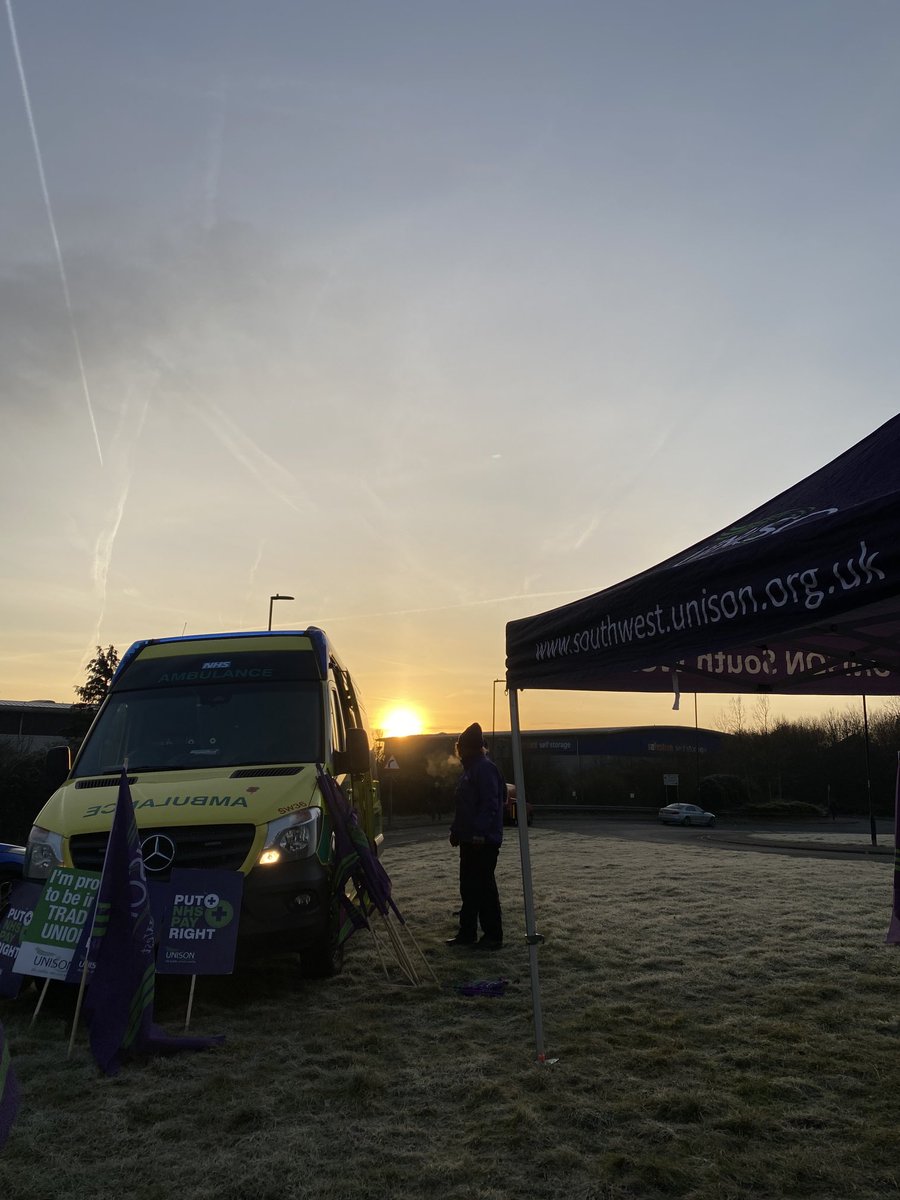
37 1007
81 986
403 960
421 955
378 948
187 1019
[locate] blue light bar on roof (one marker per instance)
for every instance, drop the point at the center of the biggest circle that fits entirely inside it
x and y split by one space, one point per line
316 636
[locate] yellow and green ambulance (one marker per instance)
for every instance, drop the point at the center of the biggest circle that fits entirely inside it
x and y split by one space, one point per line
221 735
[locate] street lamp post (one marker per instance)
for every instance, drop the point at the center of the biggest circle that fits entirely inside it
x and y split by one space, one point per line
494 710
272 600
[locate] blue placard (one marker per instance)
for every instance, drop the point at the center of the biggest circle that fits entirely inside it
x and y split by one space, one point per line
14 922
198 935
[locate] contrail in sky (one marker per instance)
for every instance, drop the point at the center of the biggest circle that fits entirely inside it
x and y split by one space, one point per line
253 569
410 612
270 473
104 547
214 165
106 538
49 207
586 533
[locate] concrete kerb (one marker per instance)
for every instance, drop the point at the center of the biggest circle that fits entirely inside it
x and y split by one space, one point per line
808 845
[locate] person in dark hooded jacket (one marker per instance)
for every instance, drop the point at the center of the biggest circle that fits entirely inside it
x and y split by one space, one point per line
477 830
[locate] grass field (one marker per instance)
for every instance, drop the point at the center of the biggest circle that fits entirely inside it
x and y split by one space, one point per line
727 1024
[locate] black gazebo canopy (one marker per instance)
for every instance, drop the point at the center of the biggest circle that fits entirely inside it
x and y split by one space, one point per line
800 596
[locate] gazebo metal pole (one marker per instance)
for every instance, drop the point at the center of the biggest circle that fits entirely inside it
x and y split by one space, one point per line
532 938
696 751
872 831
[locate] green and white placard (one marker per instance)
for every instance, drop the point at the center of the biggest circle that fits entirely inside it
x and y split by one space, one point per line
61 924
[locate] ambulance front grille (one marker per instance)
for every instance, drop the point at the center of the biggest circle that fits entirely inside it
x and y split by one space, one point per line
221 847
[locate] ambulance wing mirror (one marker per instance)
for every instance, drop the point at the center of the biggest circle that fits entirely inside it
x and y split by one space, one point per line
57 765
355 759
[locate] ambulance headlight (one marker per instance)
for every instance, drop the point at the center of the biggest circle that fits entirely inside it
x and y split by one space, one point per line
43 853
291 837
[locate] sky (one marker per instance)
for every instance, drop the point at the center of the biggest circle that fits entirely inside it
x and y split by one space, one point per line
429 315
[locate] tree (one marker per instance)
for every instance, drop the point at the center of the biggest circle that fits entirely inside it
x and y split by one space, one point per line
761 715
98 677
733 719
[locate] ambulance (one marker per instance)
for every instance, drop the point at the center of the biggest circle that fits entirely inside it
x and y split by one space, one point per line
221 735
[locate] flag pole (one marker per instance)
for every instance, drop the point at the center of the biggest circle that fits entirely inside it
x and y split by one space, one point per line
87 949
82 984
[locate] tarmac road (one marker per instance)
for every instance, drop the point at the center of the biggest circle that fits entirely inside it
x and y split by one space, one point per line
845 838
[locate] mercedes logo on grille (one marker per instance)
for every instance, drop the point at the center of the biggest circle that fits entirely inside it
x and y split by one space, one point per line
158 852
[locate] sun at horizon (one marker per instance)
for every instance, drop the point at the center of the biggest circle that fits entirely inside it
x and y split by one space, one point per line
401 722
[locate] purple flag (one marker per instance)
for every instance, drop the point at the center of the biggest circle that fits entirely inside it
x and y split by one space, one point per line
9 1091
893 934
355 860
119 998
484 987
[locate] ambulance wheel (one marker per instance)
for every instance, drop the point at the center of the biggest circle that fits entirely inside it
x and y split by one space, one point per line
325 957
322 960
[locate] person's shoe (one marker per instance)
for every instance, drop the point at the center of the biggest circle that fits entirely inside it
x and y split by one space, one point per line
459 940
490 943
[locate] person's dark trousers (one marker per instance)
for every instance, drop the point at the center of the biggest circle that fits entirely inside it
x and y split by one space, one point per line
478 892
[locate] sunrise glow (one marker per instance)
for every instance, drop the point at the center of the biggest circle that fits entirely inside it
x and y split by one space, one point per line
400 722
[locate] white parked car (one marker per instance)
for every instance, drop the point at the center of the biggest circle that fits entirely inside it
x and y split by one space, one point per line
685 814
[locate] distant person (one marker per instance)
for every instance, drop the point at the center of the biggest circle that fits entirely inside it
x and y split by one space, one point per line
477 830
437 804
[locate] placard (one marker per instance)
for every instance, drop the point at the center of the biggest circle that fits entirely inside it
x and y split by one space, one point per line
199 933
14 924
61 924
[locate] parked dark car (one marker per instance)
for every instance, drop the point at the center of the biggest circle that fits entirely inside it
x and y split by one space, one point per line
12 860
510 809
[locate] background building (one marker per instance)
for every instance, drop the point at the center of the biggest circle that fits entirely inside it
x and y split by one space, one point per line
610 768
31 725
